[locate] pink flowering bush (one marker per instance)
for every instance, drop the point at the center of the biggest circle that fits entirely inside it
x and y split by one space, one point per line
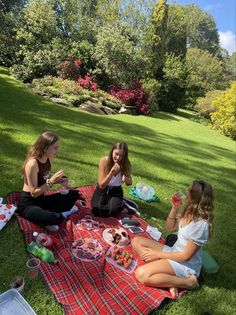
132 96
69 69
88 82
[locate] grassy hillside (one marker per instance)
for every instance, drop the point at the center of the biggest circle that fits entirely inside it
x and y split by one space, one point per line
167 151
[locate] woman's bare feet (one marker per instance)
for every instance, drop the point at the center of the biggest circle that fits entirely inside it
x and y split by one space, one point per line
174 292
192 282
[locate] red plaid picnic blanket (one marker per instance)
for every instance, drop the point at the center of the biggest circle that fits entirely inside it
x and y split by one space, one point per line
91 287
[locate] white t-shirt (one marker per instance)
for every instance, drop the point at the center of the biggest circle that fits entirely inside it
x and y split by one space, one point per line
198 232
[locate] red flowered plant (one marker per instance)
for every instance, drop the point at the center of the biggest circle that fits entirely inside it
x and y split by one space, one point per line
69 69
88 82
132 96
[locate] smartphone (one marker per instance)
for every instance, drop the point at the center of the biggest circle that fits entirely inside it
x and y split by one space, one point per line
83 203
136 229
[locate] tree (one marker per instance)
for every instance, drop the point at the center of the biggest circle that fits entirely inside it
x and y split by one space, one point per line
176 38
155 47
117 60
40 46
204 73
201 30
173 84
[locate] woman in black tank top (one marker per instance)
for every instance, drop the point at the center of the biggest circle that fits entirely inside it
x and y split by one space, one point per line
34 205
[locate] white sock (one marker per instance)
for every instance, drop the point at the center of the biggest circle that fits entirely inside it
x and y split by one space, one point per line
74 209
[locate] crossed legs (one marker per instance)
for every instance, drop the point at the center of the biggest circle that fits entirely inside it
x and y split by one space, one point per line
159 273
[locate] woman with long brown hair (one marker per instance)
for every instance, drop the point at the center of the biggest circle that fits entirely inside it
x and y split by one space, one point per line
180 265
114 170
34 205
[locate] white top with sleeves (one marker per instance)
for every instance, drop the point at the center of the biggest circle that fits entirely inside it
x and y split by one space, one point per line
198 232
116 180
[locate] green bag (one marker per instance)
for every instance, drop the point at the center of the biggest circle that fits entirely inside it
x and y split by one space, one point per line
148 194
209 264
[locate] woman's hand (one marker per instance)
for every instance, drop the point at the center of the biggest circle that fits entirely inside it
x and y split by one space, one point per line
57 177
115 169
149 255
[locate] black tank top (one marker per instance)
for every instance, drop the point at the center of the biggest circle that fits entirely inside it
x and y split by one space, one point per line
44 172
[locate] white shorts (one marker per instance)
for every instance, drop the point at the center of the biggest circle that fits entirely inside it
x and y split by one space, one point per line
180 270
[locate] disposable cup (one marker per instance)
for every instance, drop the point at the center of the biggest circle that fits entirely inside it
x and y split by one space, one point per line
18 283
33 267
178 198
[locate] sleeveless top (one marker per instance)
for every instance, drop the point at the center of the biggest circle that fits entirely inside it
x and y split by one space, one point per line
116 180
44 172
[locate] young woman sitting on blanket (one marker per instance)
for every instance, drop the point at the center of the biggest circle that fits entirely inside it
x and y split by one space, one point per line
180 265
114 170
48 210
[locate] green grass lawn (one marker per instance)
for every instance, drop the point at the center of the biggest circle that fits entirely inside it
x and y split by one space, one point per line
167 151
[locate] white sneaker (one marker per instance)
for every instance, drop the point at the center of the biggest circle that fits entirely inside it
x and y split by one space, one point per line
52 228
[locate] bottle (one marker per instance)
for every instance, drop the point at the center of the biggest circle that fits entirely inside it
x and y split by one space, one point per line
44 239
41 252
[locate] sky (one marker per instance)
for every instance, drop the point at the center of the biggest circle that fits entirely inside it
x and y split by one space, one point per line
224 13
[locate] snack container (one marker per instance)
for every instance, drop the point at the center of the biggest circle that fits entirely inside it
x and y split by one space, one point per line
12 302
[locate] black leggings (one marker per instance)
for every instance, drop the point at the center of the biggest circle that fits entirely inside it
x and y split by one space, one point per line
46 210
107 202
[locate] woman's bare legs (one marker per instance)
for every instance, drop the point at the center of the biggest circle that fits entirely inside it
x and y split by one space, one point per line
140 243
161 274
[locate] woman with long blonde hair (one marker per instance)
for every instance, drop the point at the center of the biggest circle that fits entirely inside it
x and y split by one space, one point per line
179 266
34 205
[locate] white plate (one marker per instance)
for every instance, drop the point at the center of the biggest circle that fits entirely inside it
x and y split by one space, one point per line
107 237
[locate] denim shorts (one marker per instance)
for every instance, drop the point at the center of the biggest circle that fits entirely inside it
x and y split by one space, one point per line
180 270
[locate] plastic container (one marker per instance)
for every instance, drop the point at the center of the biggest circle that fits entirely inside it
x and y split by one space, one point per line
44 239
12 302
41 252
209 264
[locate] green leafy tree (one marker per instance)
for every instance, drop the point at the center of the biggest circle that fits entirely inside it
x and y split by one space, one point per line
201 30
230 65
155 45
176 38
173 84
117 60
40 46
204 73
224 116
9 21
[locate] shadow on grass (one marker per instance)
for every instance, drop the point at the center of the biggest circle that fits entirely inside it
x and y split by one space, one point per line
23 113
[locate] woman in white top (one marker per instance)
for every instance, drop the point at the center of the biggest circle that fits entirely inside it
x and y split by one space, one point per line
180 265
114 170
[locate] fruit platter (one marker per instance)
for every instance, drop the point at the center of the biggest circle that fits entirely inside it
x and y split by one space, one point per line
116 237
86 249
121 259
87 223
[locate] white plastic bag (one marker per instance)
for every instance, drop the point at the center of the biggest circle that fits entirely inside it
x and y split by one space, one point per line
144 191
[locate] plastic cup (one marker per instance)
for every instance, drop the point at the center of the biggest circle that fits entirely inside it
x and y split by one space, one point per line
33 267
178 198
18 283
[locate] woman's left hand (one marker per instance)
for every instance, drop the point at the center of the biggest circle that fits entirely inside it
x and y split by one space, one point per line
149 255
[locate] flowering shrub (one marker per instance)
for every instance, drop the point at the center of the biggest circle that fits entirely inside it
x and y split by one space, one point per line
224 116
69 69
87 82
132 96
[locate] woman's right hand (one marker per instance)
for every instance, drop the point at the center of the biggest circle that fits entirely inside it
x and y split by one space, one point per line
115 169
57 177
